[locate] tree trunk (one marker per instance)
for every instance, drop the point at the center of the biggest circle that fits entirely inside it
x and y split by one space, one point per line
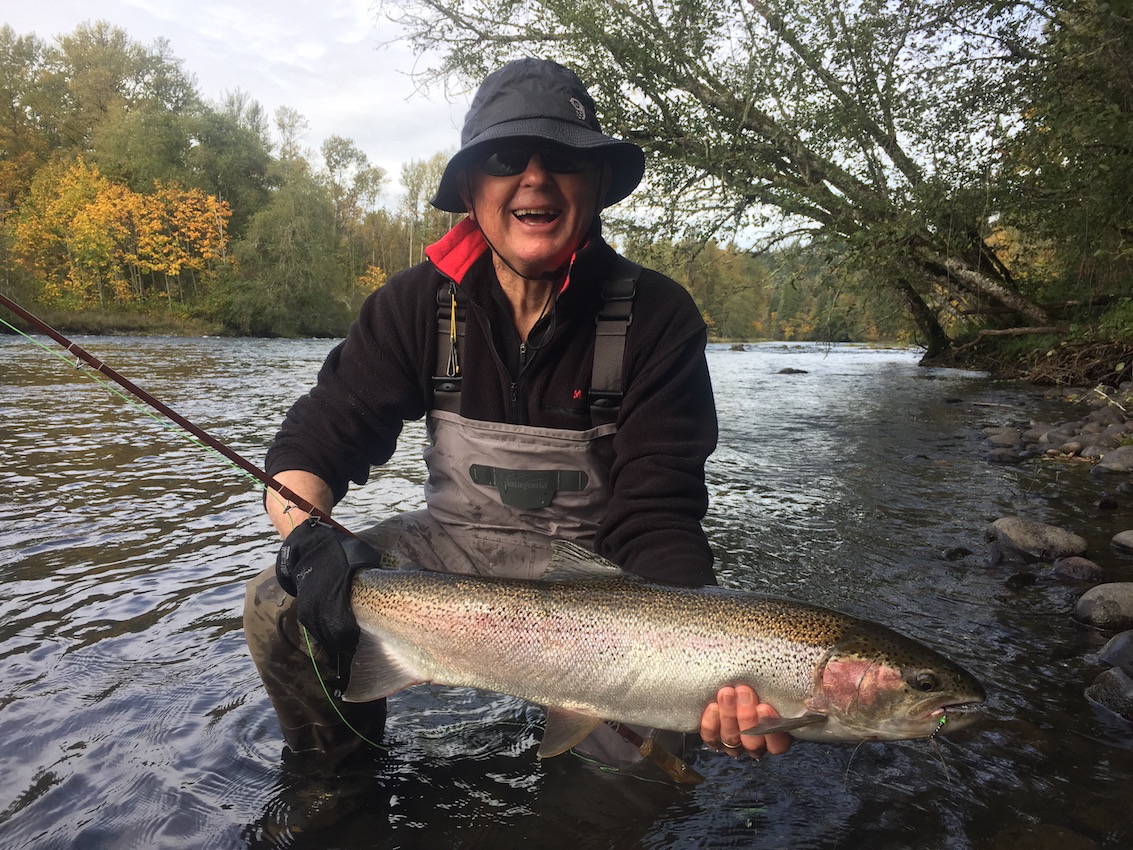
936 340
979 282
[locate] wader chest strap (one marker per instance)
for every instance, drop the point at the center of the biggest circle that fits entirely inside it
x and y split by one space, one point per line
613 321
450 342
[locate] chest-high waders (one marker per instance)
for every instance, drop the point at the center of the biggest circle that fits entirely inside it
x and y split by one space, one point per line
496 495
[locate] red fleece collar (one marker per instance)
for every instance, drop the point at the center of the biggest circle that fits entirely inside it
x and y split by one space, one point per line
456 252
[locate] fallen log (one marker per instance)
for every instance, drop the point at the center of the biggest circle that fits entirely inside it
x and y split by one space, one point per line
1045 329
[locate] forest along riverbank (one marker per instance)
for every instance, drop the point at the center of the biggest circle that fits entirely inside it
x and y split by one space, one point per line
1103 437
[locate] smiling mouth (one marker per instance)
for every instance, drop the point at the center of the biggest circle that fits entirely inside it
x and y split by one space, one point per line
537 215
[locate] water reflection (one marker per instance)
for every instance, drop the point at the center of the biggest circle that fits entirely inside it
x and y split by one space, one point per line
132 715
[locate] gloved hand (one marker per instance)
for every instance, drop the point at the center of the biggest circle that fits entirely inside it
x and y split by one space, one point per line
314 566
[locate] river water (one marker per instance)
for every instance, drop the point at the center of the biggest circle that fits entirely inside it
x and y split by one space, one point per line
131 714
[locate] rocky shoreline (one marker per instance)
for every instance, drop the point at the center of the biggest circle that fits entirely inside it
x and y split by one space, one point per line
1103 438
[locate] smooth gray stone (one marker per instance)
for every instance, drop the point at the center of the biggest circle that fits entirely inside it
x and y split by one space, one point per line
1107 606
1123 540
1113 689
1118 460
1076 568
1027 540
1118 652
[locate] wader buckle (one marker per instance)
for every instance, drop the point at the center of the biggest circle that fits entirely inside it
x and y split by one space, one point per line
527 489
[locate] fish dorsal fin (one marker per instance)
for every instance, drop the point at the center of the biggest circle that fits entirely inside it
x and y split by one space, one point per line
571 562
377 671
564 729
784 724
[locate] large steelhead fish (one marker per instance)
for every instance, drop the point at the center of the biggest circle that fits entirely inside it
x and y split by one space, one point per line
592 643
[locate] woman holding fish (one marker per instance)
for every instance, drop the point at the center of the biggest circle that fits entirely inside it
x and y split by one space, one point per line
566 393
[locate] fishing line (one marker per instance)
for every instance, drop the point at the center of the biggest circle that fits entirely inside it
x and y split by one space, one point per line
165 423
109 386
326 691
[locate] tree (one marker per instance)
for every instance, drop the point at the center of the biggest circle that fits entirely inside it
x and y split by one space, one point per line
873 126
1066 202
230 157
288 281
88 239
23 144
426 224
98 69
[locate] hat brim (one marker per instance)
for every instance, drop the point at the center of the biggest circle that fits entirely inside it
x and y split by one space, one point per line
626 159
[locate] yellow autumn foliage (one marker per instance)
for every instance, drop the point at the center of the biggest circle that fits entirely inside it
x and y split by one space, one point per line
88 239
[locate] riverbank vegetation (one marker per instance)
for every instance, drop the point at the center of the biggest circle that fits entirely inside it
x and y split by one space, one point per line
955 174
973 160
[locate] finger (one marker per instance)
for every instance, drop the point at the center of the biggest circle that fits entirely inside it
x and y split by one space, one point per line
729 722
710 725
747 715
777 742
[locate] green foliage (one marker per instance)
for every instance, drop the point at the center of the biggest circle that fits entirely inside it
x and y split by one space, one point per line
282 287
1068 169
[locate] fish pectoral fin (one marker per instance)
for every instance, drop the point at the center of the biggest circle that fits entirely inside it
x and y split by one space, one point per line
376 671
784 724
564 729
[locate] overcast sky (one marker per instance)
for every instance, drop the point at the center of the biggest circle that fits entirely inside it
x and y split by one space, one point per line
325 59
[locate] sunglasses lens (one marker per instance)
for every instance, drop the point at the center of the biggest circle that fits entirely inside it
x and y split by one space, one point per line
562 162
507 162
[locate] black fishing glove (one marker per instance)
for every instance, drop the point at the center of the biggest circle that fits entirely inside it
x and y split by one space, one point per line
316 565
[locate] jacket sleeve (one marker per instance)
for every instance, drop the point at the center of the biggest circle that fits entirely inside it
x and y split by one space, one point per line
369 385
666 430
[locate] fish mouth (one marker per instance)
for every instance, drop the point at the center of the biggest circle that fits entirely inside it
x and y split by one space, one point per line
953 708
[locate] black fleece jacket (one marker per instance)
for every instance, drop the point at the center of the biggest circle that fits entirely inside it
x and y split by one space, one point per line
380 376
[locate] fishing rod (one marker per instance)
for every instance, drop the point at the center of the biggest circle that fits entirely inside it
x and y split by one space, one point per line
166 411
649 749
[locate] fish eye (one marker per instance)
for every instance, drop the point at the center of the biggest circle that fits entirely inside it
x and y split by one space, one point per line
923 680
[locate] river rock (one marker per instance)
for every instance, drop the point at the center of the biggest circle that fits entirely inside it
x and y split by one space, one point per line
1071 448
1113 689
1123 541
1107 606
738 346
1037 431
1109 415
1118 652
1117 460
1015 538
1075 569
1003 456
790 371
1004 439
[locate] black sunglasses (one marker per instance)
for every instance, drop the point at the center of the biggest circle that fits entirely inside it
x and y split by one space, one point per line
510 161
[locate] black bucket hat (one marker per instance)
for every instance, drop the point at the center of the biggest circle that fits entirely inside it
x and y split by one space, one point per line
538 99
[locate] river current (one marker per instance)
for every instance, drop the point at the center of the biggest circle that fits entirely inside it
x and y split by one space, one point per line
131 715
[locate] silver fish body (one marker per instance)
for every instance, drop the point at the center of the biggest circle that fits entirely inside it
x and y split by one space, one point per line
610 647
